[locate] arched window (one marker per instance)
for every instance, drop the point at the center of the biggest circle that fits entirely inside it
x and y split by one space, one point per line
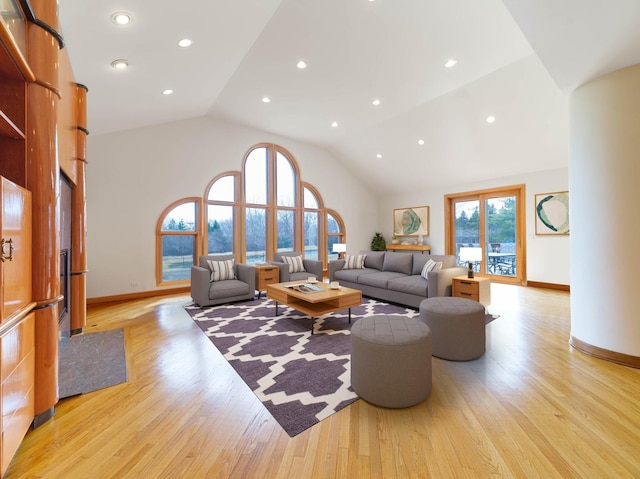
264 208
221 214
177 236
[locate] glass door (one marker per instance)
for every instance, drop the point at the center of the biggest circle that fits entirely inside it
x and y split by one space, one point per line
491 221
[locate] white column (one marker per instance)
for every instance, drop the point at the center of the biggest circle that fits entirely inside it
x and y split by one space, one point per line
604 196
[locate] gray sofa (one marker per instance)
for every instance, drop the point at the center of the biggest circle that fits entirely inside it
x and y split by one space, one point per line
205 292
395 277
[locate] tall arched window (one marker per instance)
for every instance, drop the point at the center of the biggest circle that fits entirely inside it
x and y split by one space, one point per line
222 196
253 213
177 237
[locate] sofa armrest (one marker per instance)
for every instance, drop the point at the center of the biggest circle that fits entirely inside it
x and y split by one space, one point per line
247 274
439 283
200 283
335 265
313 266
284 271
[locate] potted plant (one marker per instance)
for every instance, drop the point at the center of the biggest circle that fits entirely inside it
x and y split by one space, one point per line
378 243
395 239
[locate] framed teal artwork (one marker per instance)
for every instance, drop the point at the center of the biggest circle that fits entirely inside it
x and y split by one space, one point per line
552 213
412 221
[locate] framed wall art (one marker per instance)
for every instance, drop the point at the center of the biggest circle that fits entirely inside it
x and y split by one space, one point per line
412 221
552 213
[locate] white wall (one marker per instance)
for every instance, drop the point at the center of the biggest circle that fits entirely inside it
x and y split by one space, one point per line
547 256
133 176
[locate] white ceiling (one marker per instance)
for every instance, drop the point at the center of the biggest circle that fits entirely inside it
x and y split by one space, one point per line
517 60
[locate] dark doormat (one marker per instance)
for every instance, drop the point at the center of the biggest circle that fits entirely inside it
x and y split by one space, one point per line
92 361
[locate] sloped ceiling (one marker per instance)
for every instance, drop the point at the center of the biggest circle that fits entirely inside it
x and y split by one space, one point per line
517 60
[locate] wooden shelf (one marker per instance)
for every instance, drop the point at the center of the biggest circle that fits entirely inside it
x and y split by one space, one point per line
409 247
9 129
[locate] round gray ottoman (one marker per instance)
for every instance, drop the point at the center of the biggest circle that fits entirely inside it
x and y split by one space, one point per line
457 327
391 360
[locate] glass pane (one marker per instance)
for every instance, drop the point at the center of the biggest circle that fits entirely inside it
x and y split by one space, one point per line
177 257
286 228
224 189
331 241
255 177
467 226
311 222
310 200
332 225
500 234
219 229
286 181
181 218
255 227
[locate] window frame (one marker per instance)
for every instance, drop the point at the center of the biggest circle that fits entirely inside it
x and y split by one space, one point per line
160 234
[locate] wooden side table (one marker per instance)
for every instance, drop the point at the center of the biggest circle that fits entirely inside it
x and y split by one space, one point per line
478 289
266 274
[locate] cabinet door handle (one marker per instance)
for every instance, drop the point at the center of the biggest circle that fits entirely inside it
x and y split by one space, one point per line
4 254
465 294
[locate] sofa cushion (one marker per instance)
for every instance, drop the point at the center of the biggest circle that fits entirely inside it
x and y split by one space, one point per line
295 263
398 262
222 270
228 289
352 275
374 259
354 262
379 279
414 284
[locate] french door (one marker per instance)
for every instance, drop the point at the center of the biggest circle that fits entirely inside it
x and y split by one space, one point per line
492 222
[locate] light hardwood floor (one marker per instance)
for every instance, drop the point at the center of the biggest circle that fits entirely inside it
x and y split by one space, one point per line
530 407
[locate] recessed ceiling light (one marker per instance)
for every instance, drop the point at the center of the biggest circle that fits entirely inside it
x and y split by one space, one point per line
379 155
121 18
301 64
334 124
185 42
450 63
420 142
491 119
375 102
266 99
168 91
120 64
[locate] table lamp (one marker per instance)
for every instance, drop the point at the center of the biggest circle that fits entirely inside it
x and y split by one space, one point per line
472 255
340 248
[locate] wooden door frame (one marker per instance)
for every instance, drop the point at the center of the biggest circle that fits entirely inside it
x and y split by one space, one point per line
520 243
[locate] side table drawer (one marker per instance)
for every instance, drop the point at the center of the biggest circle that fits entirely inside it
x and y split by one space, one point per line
477 289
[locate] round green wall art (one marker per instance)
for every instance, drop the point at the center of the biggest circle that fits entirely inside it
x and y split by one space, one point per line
553 212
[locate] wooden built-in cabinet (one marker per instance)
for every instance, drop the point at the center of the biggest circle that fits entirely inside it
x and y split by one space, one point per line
17 339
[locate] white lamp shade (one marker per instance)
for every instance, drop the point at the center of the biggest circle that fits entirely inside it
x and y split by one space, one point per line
340 248
470 254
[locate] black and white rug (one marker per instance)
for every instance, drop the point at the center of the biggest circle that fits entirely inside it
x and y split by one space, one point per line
300 378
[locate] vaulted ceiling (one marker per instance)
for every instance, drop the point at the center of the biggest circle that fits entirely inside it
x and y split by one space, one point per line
517 60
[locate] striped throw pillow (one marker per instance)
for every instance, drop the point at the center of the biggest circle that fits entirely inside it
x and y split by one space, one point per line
430 266
222 270
354 261
294 262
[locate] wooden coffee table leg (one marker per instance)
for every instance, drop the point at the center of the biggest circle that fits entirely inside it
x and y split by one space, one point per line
276 307
349 315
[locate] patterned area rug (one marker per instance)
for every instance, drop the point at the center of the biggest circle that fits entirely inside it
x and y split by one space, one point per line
300 378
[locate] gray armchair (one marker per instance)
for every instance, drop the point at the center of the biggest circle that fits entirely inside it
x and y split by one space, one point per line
205 292
312 267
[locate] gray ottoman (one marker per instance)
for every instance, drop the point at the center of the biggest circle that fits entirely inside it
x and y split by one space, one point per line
457 327
391 360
